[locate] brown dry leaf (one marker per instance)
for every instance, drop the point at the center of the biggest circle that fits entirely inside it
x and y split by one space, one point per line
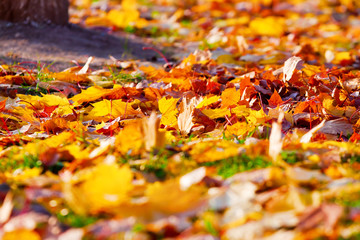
337 126
327 215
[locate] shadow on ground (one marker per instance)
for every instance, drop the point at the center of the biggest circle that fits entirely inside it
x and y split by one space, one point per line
59 45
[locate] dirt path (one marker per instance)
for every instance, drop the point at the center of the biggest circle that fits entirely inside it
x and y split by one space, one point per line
59 45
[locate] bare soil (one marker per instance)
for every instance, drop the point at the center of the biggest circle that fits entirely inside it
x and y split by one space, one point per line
59 45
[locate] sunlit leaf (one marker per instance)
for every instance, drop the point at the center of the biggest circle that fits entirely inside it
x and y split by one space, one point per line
230 97
168 110
161 194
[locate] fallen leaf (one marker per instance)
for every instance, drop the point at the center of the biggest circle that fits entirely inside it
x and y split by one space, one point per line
289 67
326 214
275 139
154 137
307 137
230 97
6 208
168 110
161 194
186 115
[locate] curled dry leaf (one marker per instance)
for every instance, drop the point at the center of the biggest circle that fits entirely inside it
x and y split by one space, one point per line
275 139
6 208
289 67
154 138
85 68
307 137
186 115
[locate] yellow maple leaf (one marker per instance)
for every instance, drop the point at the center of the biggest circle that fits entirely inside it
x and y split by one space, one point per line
128 5
207 101
131 139
241 111
55 141
113 108
127 16
90 94
256 117
46 99
239 129
23 175
216 113
77 151
168 110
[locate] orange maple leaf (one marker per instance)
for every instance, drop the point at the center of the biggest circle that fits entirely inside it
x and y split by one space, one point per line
275 99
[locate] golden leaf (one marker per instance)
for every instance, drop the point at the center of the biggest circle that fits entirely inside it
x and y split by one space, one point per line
269 26
238 129
121 18
130 140
168 110
216 113
102 189
21 234
168 197
90 94
230 97
210 151
328 104
207 101
112 108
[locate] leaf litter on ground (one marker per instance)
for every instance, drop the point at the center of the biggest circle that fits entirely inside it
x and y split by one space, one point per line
253 137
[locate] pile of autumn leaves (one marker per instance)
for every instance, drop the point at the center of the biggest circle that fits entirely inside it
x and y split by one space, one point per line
90 151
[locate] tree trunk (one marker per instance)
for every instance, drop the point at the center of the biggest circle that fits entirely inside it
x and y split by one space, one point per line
41 11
